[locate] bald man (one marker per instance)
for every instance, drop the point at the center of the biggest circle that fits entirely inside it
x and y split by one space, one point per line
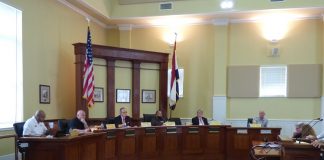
35 126
79 123
261 119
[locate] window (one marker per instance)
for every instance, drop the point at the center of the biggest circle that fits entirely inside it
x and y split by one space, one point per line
273 81
11 66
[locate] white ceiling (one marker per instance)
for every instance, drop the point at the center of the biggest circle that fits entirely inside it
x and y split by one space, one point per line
230 16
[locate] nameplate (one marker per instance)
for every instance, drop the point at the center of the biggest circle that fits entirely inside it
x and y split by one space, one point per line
193 130
171 130
242 131
130 132
111 134
265 131
213 130
149 131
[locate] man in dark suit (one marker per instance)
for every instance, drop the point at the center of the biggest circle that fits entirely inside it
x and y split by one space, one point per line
157 120
199 119
123 120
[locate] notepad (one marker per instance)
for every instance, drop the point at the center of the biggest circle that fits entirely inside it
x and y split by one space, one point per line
145 124
169 123
215 123
254 125
110 126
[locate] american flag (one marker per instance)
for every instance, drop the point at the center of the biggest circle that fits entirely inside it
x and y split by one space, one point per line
174 91
88 77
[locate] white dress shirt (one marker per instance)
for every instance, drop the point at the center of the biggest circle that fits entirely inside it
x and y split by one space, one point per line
201 121
321 136
33 128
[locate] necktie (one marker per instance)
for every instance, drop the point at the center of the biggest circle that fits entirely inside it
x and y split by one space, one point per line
123 120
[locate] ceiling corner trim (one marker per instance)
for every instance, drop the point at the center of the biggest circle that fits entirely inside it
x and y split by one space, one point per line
86 15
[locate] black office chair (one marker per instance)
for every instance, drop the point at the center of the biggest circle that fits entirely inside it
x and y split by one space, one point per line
19 128
148 117
249 121
176 120
64 126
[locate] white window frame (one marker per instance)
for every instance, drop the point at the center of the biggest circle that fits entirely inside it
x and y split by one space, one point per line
15 39
264 92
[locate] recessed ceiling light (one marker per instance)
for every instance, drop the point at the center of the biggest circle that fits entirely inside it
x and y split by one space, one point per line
227 4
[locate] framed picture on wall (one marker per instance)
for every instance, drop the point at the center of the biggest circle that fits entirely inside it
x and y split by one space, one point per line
148 96
44 94
122 95
98 94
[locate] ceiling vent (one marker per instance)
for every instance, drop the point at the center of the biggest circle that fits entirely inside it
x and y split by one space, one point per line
165 6
277 0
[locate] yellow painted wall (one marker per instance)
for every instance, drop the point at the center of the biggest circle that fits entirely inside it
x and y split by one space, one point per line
150 80
7 146
99 110
302 45
195 56
113 37
49 30
123 80
102 6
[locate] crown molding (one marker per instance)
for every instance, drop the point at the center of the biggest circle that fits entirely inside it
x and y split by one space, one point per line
220 22
125 27
86 15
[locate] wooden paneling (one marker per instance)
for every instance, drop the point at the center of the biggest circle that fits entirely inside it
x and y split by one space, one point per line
239 140
111 88
176 143
292 151
110 54
86 147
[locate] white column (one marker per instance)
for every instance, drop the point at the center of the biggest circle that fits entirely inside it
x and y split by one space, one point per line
219 108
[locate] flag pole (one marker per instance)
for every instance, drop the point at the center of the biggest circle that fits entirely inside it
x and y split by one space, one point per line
88 19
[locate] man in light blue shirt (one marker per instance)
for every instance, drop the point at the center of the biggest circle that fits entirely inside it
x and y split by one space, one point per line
261 119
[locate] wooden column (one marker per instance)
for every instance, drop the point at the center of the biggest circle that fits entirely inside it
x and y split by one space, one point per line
111 88
163 104
79 62
136 91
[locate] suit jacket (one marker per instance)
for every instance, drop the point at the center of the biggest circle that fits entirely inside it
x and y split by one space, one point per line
195 121
157 121
118 120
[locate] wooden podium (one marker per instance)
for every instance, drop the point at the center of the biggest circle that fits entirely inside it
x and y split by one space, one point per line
85 147
299 151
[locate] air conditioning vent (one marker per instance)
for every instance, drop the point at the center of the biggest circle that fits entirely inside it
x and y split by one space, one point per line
165 6
277 0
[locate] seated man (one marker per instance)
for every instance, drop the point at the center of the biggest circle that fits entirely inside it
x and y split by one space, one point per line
261 119
199 119
123 120
35 126
79 123
158 120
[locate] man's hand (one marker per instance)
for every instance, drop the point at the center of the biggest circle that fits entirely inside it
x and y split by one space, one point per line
311 137
317 144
